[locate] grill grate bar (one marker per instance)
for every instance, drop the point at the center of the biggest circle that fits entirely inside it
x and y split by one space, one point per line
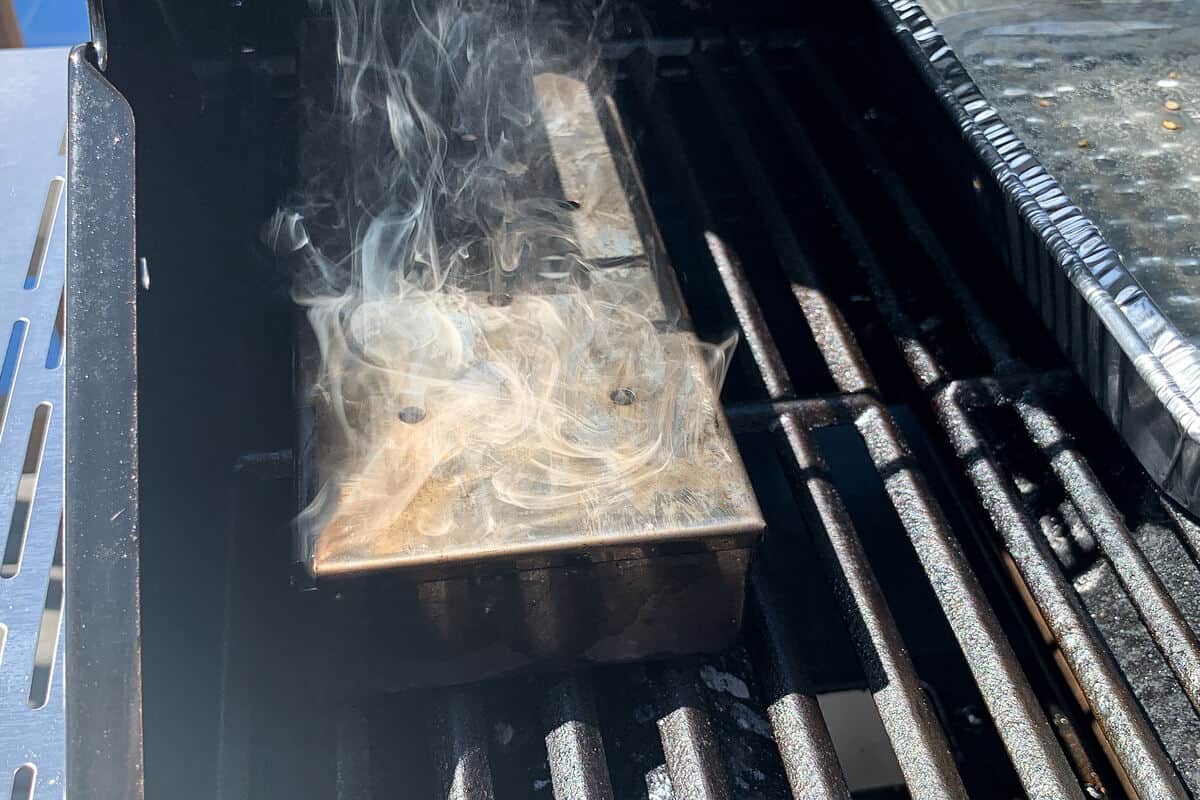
1158 611
1187 530
1125 726
982 330
463 771
834 340
916 735
807 751
750 319
1039 760
1076 476
749 314
759 416
911 724
574 746
693 757
1037 756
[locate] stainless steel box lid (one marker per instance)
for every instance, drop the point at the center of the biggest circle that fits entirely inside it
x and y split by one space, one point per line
558 408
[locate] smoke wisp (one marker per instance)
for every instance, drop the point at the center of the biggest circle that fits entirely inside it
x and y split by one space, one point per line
499 356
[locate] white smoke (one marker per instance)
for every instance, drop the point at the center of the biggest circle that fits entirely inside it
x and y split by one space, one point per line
495 359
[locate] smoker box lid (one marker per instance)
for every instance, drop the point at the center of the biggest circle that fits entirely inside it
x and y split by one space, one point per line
712 511
558 552
703 503
644 385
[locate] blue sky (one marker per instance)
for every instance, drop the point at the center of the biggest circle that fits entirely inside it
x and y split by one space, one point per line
47 23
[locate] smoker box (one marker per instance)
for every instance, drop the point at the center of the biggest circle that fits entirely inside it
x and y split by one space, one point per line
644 562
1123 314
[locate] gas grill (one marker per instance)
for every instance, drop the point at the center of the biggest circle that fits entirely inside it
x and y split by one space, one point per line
968 588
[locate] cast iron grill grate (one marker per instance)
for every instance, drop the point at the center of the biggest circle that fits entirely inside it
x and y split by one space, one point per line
952 529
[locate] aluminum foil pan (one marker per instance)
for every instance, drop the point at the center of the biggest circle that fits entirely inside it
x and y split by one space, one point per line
1106 96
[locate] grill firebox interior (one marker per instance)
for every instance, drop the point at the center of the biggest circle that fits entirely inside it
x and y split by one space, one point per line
943 504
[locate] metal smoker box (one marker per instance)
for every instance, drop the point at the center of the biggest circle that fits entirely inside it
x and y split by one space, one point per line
638 562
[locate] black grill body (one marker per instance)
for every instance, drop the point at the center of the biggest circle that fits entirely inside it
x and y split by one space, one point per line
953 528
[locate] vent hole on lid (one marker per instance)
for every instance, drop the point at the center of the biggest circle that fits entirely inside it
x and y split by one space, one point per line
411 415
26 488
623 396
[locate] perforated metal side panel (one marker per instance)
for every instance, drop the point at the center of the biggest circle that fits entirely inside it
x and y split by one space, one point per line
33 115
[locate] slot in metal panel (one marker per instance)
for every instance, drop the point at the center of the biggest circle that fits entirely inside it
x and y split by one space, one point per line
33 107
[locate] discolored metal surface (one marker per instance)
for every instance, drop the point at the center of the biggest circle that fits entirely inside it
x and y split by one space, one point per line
647 387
